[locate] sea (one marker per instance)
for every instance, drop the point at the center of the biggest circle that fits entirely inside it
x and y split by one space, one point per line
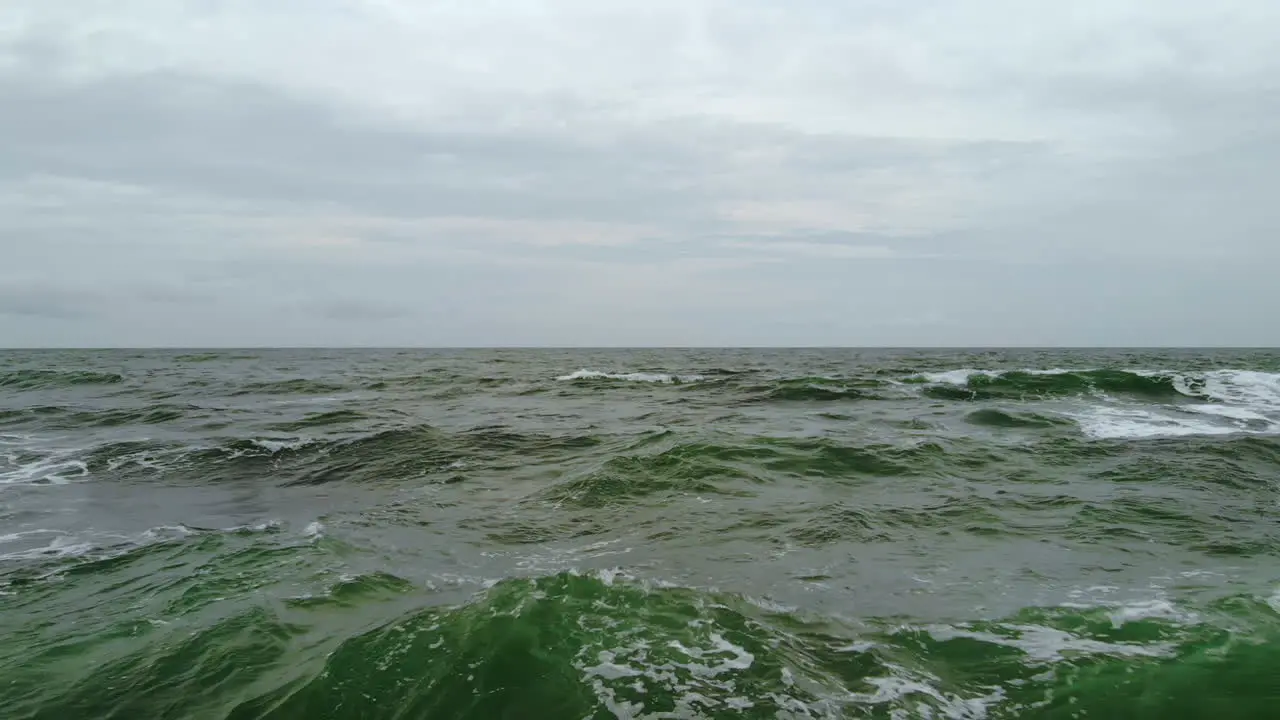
679 533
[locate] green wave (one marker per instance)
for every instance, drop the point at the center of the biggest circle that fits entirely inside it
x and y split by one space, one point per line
63 418
815 390
595 647
602 645
564 646
325 419
991 417
1014 385
588 646
295 386
45 379
388 455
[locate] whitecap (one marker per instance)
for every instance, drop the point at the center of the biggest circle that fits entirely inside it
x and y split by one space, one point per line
630 377
1227 411
275 445
1045 644
956 377
1114 422
33 466
1150 609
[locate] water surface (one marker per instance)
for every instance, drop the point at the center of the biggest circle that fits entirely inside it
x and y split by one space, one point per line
639 534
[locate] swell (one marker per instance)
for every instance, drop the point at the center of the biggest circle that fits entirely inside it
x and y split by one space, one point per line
180 636
1015 385
602 645
991 417
703 467
295 386
815 389
320 420
567 645
46 379
594 645
64 418
393 454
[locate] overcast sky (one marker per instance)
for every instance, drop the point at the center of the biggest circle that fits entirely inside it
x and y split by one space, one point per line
667 172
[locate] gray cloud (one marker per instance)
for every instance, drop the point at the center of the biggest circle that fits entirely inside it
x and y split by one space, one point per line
45 303
241 141
816 174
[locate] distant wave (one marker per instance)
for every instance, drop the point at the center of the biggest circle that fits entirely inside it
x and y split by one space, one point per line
391 454
968 384
1000 418
295 386
64 418
42 379
643 377
1129 404
817 389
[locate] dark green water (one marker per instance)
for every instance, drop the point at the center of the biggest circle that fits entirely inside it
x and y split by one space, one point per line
670 534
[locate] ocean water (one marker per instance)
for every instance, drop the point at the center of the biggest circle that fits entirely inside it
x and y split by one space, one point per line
640 534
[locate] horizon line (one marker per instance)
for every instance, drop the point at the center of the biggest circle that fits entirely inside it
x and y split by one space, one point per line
221 348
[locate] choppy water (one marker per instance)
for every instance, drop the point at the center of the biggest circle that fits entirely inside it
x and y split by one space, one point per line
656 534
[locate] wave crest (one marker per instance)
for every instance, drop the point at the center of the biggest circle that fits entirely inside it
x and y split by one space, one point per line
639 377
44 379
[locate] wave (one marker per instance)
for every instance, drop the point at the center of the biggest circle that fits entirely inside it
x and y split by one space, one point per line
235 639
991 417
806 389
695 468
295 386
212 357
1246 387
639 377
1126 404
1021 384
607 645
393 454
64 418
571 646
46 379
325 419
24 463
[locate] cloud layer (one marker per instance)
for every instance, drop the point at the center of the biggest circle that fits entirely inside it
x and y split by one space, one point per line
376 172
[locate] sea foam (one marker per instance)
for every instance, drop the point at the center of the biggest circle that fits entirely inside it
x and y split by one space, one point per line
630 377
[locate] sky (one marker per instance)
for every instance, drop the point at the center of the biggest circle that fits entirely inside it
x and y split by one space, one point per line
669 172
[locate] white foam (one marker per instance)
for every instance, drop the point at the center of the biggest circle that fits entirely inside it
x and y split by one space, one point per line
1149 609
274 446
33 466
60 546
1117 422
1245 402
630 377
771 606
956 377
1227 411
962 376
1243 387
1046 644
1242 401
895 689
610 670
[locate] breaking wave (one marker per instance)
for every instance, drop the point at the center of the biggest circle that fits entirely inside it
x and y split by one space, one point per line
1125 404
606 644
639 377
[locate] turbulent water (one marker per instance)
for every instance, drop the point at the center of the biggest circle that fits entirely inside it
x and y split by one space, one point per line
640 534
